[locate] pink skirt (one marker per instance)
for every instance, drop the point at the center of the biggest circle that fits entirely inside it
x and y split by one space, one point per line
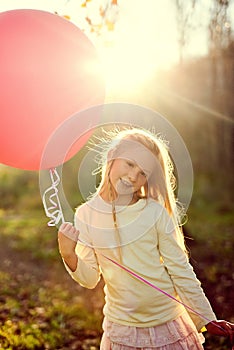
179 334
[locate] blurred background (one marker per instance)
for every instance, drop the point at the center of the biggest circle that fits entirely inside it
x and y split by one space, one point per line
175 57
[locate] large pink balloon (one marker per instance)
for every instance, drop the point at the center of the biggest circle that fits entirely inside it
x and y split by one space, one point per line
49 71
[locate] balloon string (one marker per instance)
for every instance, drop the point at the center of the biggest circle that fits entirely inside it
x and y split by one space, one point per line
55 213
51 200
142 279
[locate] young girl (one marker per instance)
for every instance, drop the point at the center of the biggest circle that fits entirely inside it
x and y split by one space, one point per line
132 221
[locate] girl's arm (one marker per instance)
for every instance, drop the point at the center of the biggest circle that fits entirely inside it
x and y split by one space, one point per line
185 281
176 262
67 238
79 259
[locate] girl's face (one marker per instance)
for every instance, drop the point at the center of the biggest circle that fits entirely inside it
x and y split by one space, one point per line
132 166
126 176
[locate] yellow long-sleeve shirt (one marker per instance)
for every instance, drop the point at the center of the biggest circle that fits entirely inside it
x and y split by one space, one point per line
150 248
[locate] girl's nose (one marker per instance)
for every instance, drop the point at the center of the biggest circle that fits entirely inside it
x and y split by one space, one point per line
133 175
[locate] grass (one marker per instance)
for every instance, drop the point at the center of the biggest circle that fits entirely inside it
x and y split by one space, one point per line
210 231
41 307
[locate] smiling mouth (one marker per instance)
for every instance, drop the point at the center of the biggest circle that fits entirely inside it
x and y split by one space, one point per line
126 183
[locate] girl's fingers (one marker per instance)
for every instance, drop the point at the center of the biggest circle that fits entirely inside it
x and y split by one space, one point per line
69 231
229 327
222 328
65 227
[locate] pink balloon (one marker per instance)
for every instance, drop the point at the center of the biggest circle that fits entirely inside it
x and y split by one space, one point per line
49 71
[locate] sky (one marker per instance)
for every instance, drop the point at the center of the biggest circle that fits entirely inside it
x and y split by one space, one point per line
145 38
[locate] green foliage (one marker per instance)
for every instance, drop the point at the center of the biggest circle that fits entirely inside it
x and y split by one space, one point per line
210 231
42 317
40 306
16 185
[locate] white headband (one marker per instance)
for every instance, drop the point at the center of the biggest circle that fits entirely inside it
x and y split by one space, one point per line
136 152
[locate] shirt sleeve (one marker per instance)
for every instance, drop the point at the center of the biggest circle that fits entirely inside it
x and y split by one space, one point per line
87 273
176 262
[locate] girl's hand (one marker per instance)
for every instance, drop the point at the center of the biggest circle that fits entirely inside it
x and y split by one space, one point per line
223 328
67 238
69 231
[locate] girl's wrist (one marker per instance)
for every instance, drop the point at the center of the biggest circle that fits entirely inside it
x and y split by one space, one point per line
68 255
71 261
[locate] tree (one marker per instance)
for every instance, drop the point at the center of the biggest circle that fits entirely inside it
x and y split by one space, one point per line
184 15
219 30
101 15
219 26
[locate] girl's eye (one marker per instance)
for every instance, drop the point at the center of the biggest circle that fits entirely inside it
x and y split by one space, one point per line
130 164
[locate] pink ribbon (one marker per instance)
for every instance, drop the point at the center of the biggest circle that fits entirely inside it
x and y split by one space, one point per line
140 278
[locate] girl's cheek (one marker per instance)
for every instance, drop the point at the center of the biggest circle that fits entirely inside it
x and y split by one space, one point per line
143 180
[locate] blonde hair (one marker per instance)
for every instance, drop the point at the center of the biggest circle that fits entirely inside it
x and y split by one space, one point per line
162 184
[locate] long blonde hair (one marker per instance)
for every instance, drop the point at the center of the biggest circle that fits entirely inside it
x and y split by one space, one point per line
162 184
